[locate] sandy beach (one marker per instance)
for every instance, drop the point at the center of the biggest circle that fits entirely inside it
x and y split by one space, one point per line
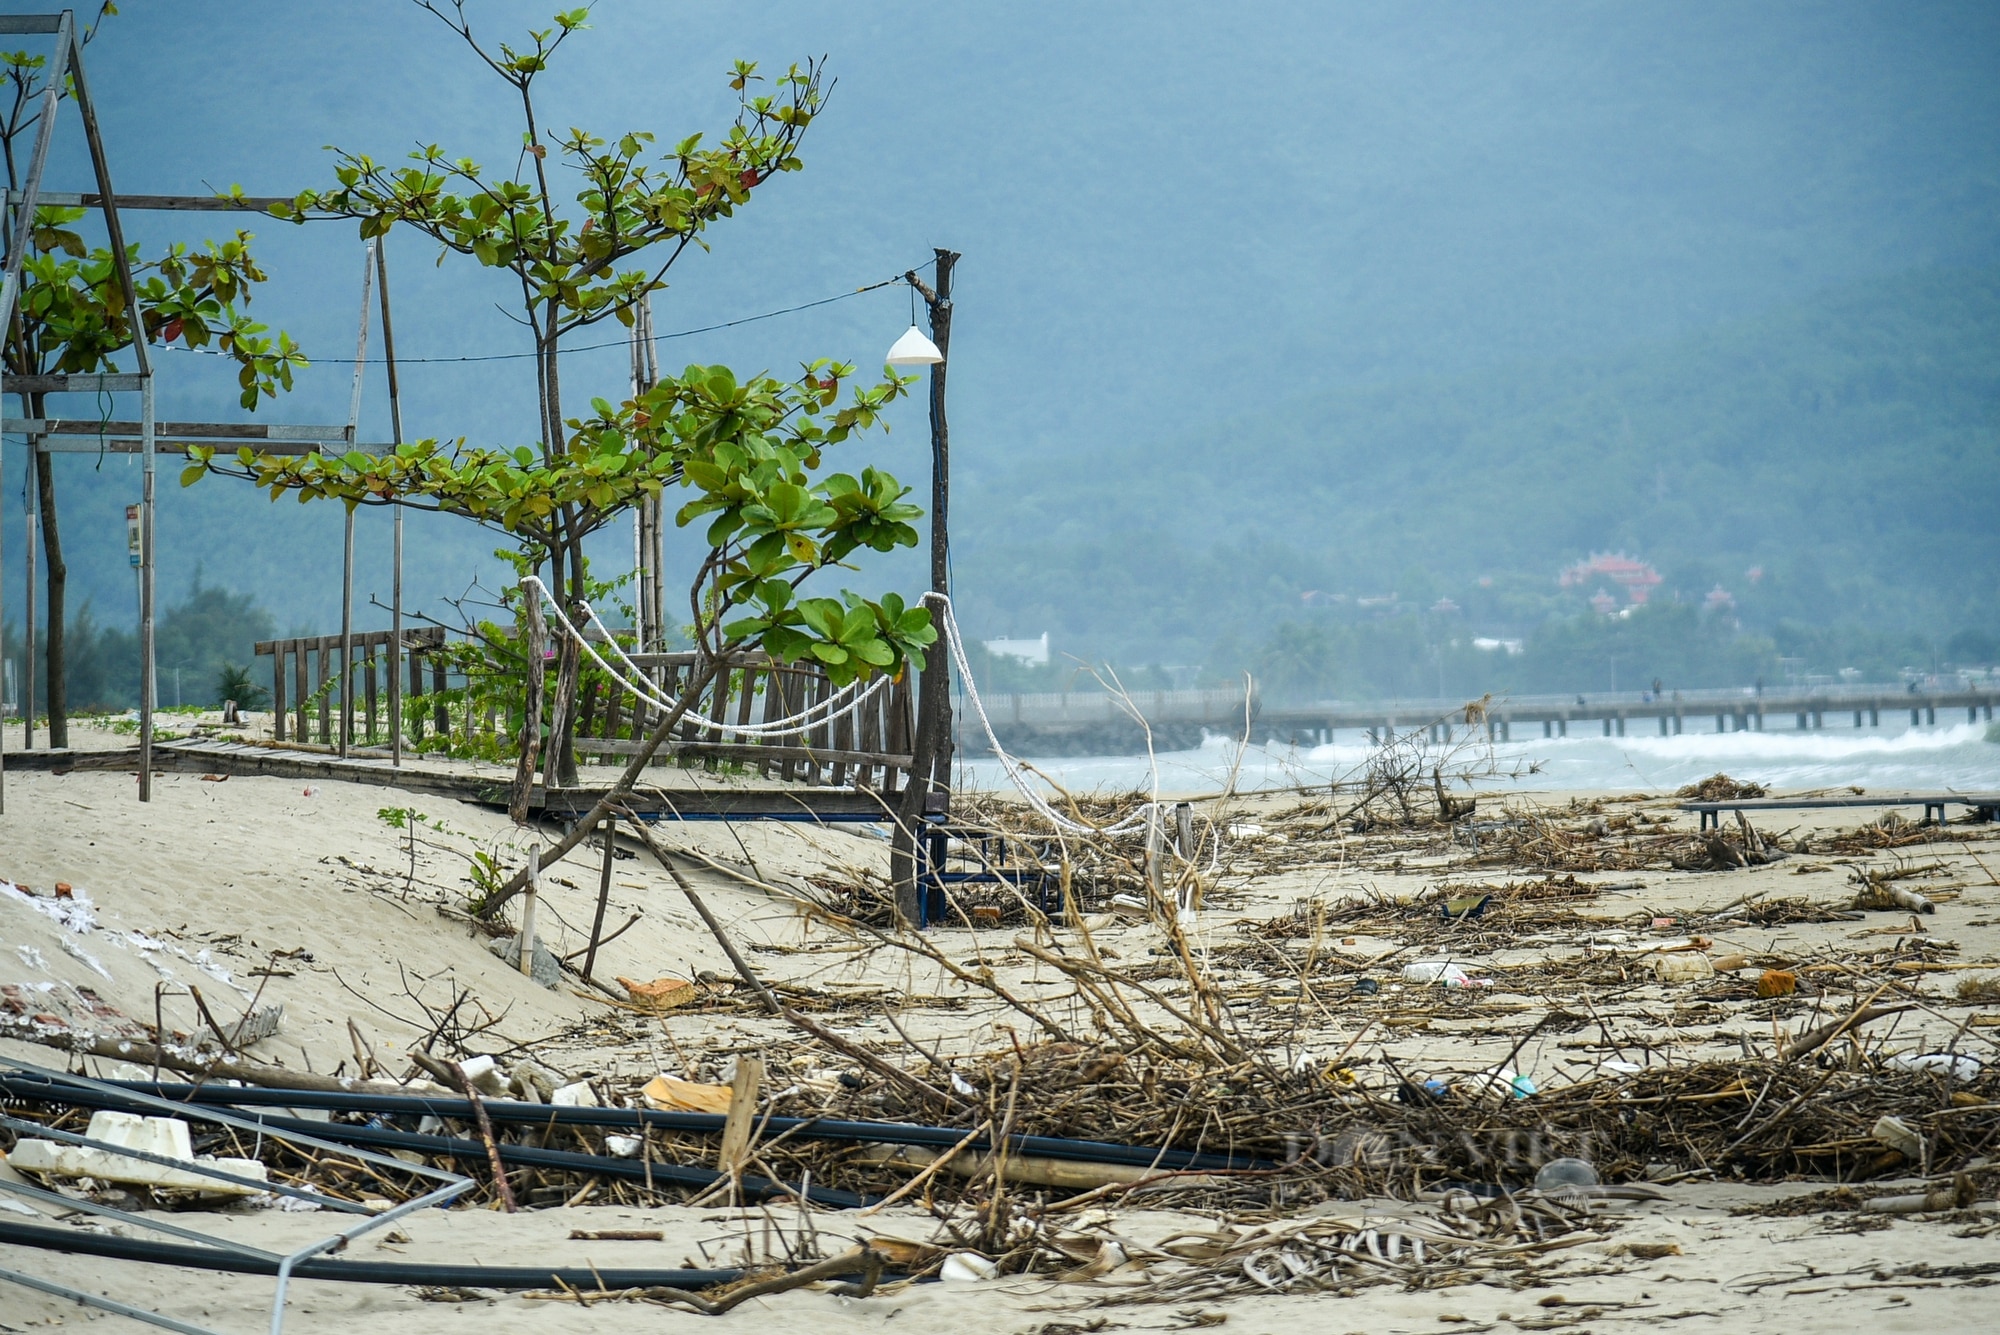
261 891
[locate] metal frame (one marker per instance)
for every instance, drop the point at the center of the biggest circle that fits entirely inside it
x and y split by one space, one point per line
452 1185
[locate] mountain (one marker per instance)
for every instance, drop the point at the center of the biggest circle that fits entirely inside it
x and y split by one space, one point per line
1847 449
1255 300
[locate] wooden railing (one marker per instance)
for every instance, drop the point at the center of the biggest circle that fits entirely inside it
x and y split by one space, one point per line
305 683
867 748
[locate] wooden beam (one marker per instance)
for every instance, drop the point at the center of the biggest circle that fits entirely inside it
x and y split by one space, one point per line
159 203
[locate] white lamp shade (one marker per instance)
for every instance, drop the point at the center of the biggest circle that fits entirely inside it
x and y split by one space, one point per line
913 349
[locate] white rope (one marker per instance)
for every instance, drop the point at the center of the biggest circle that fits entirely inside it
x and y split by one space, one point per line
812 716
1016 773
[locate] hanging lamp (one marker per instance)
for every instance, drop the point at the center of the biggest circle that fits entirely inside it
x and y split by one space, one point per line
914 349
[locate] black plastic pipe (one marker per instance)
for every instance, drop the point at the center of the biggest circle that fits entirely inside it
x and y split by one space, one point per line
473 1151
630 1119
86 1242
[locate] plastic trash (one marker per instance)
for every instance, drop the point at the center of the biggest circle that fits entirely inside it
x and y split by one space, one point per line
1441 971
1558 1175
1899 1136
1366 987
1506 1082
967 1268
624 1147
1687 966
1952 1065
1777 983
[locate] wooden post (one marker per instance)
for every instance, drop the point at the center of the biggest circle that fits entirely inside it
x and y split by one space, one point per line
736 1128
528 901
368 666
278 691
325 695
608 829
396 575
36 462
1155 840
931 765
148 684
440 712
531 724
347 549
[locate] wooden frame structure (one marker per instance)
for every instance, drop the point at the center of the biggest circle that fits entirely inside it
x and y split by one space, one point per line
143 437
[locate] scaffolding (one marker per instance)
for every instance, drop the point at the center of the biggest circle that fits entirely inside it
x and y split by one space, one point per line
146 437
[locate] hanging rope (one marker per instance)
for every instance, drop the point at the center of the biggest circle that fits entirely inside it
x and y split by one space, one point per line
818 714
1016 772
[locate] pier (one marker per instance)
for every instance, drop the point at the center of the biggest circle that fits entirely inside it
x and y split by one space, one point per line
1633 713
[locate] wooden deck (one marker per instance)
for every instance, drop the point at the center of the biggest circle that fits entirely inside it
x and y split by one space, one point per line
486 785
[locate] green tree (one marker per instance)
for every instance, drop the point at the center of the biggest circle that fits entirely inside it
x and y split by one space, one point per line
631 213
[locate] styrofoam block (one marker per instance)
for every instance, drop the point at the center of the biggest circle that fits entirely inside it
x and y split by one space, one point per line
163 1136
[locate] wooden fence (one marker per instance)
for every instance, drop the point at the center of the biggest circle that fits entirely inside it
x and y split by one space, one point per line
867 748
305 683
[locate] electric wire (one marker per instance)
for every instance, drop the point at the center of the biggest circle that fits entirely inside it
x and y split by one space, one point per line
597 347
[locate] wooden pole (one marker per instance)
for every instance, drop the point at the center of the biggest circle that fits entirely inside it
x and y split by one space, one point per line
347 549
527 961
35 464
148 688
531 722
396 575
609 829
930 770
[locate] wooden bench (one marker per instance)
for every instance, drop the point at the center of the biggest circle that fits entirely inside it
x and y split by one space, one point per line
1986 806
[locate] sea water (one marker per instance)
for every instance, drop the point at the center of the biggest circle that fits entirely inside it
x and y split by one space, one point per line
1944 759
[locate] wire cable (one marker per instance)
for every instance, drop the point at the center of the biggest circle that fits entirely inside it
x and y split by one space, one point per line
595 347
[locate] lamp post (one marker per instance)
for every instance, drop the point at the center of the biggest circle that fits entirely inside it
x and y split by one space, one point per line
930 750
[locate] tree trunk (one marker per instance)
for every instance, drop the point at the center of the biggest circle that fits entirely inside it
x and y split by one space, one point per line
57 689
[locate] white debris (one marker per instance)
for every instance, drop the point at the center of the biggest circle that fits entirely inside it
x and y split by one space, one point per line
166 1137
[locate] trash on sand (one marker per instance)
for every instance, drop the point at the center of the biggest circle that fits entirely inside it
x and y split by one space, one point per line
484 1073
1953 1065
1505 1081
1565 1175
1466 906
1959 1195
547 968
967 1268
665 1093
1682 967
1899 1136
623 1147
166 1137
1777 983
1442 971
1366 987
578 1095
661 994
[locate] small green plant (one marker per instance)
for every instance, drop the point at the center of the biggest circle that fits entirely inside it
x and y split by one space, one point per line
488 877
411 820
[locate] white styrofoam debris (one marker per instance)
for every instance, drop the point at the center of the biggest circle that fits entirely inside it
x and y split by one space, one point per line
166 1137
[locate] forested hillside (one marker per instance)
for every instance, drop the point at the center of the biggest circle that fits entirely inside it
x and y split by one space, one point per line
1847 449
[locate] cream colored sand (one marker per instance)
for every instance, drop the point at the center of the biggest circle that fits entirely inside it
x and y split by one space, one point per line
255 888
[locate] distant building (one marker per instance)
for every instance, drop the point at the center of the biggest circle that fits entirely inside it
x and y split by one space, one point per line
1035 653
1636 577
1491 645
